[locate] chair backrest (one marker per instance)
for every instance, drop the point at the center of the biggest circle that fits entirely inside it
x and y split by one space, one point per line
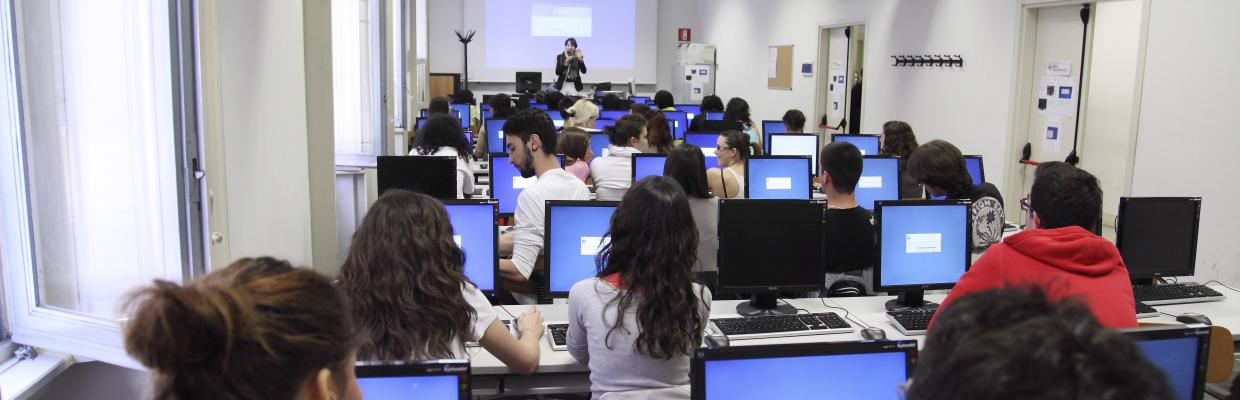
671 393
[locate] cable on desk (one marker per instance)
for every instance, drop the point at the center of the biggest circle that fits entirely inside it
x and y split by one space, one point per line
1222 284
1169 315
799 309
847 315
514 317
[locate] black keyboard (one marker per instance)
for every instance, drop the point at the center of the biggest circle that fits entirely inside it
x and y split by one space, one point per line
768 326
558 335
912 321
1145 311
1175 293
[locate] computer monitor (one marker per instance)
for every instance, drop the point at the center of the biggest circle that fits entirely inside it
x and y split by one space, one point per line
682 123
486 113
691 110
841 370
770 246
612 114
603 123
1157 236
598 143
714 116
1180 352
769 127
529 82
432 380
868 144
495 135
973 164
430 175
705 140
461 112
880 180
474 223
486 103
720 126
424 113
640 99
419 122
922 244
777 177
539 106
507 183
648 165
575 233
795 144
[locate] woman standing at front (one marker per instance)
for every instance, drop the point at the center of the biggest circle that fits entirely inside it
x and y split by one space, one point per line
569 66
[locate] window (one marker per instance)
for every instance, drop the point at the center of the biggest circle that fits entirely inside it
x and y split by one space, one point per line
96 182
356 82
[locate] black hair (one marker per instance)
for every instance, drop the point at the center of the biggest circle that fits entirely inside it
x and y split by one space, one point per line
686 164
464 96
571 40
553 99
737 140
626 128
898 139
439 105
656 258
1064 195
532 121
613 102
639 108
940 164
794 120
841 160
442 131
711 103
738 110
663 99
1017 343
501 106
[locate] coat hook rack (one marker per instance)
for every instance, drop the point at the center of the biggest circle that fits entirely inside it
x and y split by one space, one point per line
927 60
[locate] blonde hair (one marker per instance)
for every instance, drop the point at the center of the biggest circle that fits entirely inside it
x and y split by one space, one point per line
580 114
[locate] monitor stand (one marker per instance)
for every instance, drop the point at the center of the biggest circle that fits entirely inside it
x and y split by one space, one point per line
764 304
909 300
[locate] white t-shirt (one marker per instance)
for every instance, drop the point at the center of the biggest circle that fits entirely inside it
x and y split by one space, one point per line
464 172
613 174
527 237
484 315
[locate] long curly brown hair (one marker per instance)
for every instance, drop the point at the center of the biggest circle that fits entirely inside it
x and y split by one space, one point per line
403 278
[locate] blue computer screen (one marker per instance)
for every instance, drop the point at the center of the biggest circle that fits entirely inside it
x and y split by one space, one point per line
648 166
923 244
495 136
598 143
601 124
844 376
682 123
777 178
714 116
539 106
507 184
707 142
462 113
486 113
424 113
420 121
974 166
1178 360
639 99
769 127
443 387
867 144
691 110
576 236
612 114
473 230
880 180
796 145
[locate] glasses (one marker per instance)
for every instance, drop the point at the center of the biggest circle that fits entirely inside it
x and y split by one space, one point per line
722 148
1024 204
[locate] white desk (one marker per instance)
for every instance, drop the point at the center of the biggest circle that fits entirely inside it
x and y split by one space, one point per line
1224 313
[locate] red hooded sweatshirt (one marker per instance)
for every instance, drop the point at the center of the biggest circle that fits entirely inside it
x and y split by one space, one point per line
1064 262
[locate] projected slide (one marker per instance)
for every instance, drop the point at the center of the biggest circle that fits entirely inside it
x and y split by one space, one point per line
560 20
528 34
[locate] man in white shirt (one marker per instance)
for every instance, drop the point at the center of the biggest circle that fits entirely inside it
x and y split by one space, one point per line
613 173
531 138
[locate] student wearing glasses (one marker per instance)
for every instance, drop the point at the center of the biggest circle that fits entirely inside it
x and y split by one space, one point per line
732 150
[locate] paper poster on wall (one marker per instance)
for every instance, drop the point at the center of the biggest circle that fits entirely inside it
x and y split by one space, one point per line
1051 135
772 59
836 64
1058 68
1057 97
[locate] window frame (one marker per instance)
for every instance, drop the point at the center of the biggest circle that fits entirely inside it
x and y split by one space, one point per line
379 83
79 334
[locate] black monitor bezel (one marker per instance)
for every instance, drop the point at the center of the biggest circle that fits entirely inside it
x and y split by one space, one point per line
1202 334
380 182
723 245
633 165
899 173
809 187
817 147
498 283
878 238
460 368
877 137
1191 268
701 356
547 265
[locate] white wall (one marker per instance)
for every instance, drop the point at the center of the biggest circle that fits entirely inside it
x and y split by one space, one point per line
1187 141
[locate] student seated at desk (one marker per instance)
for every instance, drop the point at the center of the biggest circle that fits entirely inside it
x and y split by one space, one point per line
258 329
1057 252
940 166
794 122
466 96
664 101
658 136
501 108
850 228
439 105
897 139
738 111
687 166
613 172
405 281
574 144
1018 343
583 114
442 136
710 103
531 148
728 181
637 323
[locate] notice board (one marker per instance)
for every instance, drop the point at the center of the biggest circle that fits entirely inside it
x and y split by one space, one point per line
779 67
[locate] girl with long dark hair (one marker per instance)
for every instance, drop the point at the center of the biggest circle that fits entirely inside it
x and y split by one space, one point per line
686 164
441 135
898 140
405 281
636 323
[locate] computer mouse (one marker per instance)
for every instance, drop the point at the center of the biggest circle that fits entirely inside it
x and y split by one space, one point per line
1193 318
873 333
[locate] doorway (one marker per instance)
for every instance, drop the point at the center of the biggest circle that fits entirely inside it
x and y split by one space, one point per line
838 105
